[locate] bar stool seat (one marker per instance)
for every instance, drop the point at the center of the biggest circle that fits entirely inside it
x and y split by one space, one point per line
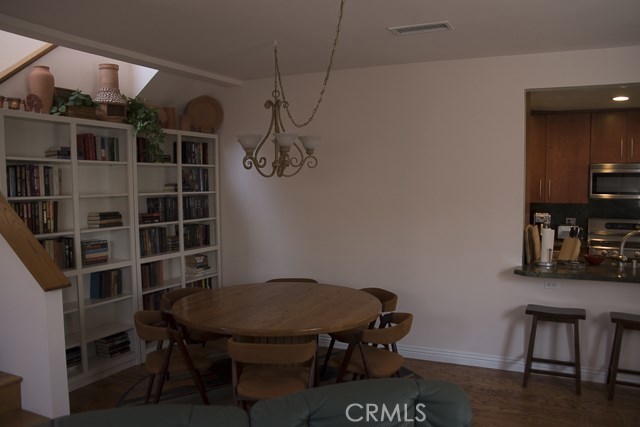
558 315
623 321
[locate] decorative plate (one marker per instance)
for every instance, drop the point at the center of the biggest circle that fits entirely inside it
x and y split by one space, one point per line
205 113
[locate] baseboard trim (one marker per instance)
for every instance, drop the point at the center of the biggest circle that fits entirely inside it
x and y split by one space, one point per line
481 360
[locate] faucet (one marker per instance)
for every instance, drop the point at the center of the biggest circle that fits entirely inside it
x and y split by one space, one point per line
622 259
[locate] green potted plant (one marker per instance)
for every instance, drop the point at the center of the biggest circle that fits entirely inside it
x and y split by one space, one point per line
146 122
74 103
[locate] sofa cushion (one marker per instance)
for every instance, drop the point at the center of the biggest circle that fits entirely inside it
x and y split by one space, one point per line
381 402
157 416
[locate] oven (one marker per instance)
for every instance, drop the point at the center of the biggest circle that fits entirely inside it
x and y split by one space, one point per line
605 236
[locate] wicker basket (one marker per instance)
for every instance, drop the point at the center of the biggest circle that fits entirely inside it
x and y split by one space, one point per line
81 111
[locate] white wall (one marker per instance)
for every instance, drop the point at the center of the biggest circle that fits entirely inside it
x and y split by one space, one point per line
419 189
15 48
32 331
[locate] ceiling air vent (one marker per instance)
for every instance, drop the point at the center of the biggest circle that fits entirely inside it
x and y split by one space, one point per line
405 30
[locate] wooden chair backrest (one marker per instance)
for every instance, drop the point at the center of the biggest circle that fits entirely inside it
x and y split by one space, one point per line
393 327
388 299
150 326
271 354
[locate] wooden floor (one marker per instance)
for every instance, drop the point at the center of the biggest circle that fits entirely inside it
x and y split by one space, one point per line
497 397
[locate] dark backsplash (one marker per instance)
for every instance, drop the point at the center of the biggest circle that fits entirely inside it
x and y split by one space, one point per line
619 209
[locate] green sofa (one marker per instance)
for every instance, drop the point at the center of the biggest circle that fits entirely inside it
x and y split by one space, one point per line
385 402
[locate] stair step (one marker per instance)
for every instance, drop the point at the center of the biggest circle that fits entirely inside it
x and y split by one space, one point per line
10 399
21 418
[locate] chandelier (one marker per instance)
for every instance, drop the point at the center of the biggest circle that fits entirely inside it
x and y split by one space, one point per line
288 155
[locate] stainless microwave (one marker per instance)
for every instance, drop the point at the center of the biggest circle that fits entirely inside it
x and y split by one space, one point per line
614 181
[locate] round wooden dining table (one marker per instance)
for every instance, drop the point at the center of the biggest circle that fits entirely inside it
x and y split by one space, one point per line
277 309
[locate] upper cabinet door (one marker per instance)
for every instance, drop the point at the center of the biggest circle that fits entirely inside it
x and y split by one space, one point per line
567 157
633 136
536 163
609 137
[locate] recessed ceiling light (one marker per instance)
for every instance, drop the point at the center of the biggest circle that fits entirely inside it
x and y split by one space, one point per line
620 98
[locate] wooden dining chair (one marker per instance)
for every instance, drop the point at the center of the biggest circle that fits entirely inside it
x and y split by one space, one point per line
264 371
192 335
365 359
176 356
292 279
388 302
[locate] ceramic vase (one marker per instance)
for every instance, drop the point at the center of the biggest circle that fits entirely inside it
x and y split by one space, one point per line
41 83
109 91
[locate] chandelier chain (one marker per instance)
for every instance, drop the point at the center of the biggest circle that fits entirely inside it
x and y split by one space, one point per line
278 76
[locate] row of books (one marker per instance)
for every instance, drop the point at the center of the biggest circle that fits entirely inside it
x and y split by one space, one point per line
152 301
73 356
195 235
195 207
61 251
157 240
113 345
40 216
167 207
144 153
94 251
206 283
151 274
58 152
33 180
92 147
195 179
197 265
105 284
104 219
194 153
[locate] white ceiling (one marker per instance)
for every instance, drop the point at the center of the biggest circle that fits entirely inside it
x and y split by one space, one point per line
228 41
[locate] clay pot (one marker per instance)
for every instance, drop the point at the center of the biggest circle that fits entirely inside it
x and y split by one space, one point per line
41 83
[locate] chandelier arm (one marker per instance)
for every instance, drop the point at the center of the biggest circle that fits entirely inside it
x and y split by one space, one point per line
295 171
278 75
294 160
311 162
269 175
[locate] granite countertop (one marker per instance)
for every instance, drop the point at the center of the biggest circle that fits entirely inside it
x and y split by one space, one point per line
608 271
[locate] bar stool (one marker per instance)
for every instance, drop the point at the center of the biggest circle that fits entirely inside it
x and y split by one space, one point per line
558 315
623 321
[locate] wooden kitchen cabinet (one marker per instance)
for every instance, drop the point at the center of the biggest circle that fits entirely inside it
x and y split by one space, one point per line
558 150
615 137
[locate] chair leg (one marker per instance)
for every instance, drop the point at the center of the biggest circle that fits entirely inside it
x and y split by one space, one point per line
195 374
532 341
149 388
615 358
327 356
576 350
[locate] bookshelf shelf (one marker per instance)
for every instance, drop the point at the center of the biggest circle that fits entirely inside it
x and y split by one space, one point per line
93 302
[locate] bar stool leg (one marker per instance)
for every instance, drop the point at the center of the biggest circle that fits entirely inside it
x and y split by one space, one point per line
576 349
532 341
613 363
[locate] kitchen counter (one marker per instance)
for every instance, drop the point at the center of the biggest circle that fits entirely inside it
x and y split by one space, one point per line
608 271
